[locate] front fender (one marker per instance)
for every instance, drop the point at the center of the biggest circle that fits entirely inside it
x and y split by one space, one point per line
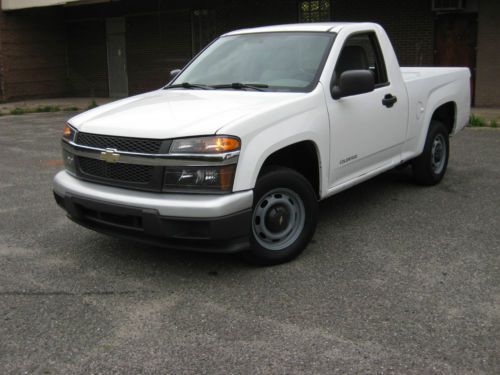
311 125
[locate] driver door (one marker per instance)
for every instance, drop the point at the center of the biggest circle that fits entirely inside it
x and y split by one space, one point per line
367 131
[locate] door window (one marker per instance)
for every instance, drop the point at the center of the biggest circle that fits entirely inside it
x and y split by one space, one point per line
362 52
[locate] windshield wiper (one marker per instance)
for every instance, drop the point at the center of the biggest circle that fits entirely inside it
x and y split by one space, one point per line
187 85
240 86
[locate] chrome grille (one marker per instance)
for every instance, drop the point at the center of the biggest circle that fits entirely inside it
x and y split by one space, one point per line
139 145
118 172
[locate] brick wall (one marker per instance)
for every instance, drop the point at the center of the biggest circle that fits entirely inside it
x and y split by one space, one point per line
85 27
33 54
233 15
158 39
488 55
167 47
159 34
58 51
87 57
409 23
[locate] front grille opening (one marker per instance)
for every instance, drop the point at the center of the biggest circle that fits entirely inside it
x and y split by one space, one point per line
124 221
116 172
140 145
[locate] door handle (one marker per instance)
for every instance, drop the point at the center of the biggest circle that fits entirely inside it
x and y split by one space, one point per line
389 100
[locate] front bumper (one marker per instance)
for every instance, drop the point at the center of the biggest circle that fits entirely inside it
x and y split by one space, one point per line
214 223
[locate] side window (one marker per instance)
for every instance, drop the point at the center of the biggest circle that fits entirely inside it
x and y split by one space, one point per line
362 51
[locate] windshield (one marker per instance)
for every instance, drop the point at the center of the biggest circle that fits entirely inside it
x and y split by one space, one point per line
280 61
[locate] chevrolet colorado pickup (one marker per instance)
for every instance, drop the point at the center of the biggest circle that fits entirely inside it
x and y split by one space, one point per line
236 151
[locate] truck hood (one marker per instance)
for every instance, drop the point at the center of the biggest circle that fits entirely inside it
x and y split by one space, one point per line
176 113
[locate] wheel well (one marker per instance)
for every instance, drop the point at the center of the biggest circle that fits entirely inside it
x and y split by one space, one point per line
301 157
446 114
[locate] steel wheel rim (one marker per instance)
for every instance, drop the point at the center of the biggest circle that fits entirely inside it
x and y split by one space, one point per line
277 202
438 154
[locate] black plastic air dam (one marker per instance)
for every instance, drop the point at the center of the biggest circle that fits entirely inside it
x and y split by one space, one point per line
227 234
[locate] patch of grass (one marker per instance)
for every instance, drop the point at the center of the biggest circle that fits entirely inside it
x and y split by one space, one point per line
46 108
40 109
92 104
477 121
494 124
18 111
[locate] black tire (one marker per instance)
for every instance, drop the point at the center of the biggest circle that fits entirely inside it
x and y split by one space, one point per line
430 167
279 196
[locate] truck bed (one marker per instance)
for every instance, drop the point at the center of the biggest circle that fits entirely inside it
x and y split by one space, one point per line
424 85
411 74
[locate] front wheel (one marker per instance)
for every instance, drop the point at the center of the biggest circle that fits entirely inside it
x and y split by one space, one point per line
429 168
284 216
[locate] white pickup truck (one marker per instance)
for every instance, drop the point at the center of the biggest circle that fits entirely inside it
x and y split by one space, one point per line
236 151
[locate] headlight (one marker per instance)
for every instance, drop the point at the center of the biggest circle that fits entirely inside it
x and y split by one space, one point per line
216 179
205 145
208 178
68 132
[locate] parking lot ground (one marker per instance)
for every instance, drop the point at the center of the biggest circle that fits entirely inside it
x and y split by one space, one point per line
398 279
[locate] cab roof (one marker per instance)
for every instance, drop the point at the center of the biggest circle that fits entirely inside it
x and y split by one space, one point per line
333 27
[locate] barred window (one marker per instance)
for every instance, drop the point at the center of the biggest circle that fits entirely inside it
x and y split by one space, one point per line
314 11
203 27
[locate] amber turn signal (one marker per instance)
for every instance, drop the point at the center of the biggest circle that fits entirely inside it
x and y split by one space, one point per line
67 132
224 144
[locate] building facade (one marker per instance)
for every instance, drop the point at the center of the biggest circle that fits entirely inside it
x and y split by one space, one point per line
101 48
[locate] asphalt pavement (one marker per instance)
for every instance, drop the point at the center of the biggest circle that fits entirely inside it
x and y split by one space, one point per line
398 279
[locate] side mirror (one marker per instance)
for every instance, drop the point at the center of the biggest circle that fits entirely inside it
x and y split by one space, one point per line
353 82
174 73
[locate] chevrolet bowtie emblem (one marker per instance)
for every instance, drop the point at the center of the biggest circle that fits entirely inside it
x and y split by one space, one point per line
110 155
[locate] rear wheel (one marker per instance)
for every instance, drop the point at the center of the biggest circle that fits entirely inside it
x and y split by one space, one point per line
429 168
284 216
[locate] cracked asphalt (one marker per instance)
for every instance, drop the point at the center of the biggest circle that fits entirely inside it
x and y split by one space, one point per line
399 279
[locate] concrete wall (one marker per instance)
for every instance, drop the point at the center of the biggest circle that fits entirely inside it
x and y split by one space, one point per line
488 55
